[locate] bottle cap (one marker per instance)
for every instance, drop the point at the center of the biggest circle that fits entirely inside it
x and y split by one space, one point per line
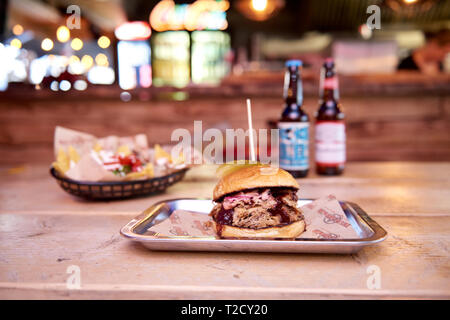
329 62
294 63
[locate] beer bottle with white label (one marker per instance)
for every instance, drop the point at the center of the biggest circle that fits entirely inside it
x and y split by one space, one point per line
330 127
294 124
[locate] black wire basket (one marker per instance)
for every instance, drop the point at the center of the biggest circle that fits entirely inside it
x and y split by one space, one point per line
116 190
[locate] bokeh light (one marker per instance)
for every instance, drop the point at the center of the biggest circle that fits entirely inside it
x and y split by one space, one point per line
76 44
73 59
259 5
63 34
80 85
16 43
101 60
87 61
103 42
54 86
47 44
75 66
17 29
65 85
125 96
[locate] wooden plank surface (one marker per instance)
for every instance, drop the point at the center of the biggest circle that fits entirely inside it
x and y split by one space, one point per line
43 231
396 187
35 251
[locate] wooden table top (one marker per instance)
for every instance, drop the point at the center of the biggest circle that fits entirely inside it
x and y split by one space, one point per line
43 231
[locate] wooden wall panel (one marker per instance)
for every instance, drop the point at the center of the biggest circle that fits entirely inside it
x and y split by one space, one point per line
378 127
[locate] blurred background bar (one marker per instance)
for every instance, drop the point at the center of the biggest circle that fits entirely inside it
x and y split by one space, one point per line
126 67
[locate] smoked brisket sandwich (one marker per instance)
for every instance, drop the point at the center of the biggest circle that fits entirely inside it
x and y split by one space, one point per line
257 202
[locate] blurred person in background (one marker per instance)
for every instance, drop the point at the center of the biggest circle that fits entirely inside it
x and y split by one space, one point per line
430 58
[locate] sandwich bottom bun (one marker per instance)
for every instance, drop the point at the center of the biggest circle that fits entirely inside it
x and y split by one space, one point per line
292 230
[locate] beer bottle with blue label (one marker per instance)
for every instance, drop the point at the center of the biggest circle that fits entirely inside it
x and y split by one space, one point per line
294 124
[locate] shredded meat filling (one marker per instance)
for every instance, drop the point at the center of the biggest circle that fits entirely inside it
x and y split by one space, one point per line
258 208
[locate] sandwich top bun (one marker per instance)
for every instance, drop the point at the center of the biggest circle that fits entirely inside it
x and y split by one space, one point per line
257 176
292 230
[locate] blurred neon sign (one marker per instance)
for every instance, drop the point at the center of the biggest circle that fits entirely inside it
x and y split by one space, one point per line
136 30
200 15
133 55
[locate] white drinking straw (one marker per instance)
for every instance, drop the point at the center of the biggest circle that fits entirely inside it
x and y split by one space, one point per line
250 128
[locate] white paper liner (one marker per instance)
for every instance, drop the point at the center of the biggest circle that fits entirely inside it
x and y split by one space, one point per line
324 219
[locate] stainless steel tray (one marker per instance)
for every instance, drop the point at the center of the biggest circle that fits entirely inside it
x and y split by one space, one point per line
368 230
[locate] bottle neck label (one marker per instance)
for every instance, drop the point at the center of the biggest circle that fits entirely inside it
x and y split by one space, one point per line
293 91
330 83
329 87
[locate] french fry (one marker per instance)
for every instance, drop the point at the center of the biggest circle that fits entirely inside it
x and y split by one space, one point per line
73 155
147 172
124 150
97 147
161 154
135 175
58 168
180 160
62 163
150 170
